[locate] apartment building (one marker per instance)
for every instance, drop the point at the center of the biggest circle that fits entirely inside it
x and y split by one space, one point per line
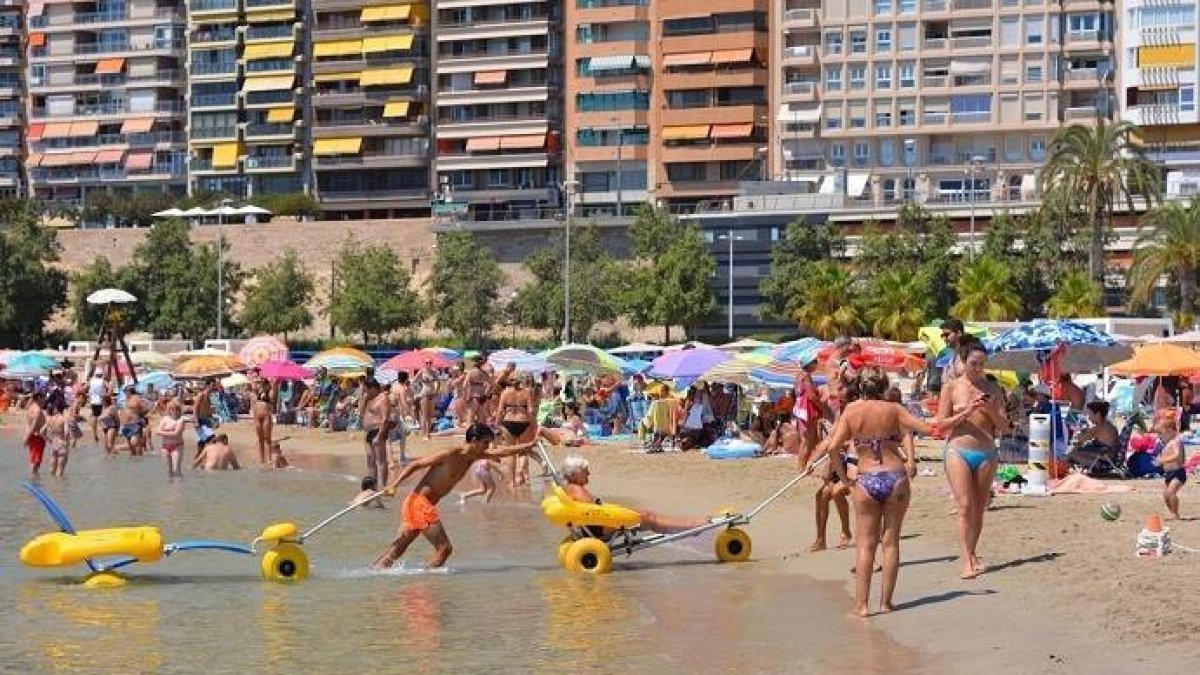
1157 85
12 99
106 106
247 93
499 107
710 121
933 100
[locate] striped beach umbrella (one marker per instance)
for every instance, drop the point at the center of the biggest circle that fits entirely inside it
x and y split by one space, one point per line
341 361
260 349
581 357
202 367
522 360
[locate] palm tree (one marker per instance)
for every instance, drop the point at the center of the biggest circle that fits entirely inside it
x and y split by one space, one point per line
986 293
1075 297
1168 243
1094 166
826 308
899 303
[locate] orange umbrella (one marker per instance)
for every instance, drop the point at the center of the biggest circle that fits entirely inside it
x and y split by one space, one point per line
208 366
1159 359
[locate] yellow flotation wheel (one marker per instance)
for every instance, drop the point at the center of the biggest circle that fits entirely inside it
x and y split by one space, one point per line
562 550
285 562
588 555
105 579
733 545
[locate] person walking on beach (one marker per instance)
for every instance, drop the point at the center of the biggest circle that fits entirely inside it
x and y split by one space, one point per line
443 470
35 429
97 389
877 429
263 412
971 457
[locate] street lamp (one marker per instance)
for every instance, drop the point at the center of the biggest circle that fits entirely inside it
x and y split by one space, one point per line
973 166
225 206
569 187
512 315
731 238
620 166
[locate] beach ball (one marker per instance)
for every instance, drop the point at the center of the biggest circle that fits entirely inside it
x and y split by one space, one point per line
1110 511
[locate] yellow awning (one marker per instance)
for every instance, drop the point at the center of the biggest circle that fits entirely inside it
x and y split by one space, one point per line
271 16
385 76
395 109
225 156
337 48
280 115
688 133
387 43
386 13
337 146
337 77
1167 55
269 83
269 50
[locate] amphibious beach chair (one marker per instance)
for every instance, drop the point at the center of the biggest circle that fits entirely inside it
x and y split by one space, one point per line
597 531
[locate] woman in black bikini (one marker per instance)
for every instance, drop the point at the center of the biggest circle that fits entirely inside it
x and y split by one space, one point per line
516 409
263 411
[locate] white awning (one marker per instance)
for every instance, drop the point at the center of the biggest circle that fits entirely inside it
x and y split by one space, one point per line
828 185
797 115
959 67
805 177
1028 185
622 62
856 184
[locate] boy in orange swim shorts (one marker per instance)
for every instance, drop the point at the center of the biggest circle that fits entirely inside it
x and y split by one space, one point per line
419 514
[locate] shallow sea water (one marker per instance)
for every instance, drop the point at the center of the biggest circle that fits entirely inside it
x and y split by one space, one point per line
502 606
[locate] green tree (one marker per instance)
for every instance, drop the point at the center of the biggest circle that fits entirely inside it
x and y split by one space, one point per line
596 285
278 301
826 307
898 304
464 289
669 283
371 294
289 204
133 208
802 245
918 241
985 292
1075 297
1168 243
92 277
1038 248
31 287
1093 167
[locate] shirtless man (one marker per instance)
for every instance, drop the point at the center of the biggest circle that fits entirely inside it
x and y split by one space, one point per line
35 429
376 413
419 514
217 455
130 417
203 412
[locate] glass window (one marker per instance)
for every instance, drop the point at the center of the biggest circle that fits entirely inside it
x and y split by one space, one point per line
858 42
837 153
833 122
883 40
883 76
1187 99
683 172
833 43
858 123
862 153
613 100
1033 73
908 117
887 152
858 77
908 75
883 6
833 78
1037 148
908 6
883 119
1033 30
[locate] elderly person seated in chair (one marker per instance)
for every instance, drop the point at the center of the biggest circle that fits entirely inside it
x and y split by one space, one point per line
1099 441
575 472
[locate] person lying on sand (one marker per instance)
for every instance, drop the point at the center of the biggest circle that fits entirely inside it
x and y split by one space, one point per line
576 472
217 455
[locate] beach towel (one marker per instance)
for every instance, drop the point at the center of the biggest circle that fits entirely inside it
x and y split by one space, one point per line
1079 484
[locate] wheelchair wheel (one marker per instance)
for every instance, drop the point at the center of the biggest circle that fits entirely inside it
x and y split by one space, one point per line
589 555
286 563
733 545
562 550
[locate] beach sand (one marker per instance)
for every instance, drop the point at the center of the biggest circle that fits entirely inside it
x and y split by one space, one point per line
1064 592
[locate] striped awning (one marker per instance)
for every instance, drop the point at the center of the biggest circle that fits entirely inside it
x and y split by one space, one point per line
687 59
109 156
483 144
137 125
57 130
138 161
337 77
35 131
601 63
84 128
733 56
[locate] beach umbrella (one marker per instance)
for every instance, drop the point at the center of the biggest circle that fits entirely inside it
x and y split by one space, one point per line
201 367
1075 347
7 355
687 362
582 357
283 370
799 351
636 348
746 344
634 366
234 381
889 356
1159 359
110 296
692 344
522 360
193 353
263 348
29 361
451 354
733 371
251 210
196 212
341 361
23 372
780 374
168 213
1191 337
150 359
415 360
161 380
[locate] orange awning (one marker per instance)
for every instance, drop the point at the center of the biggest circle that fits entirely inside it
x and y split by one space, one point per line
139 161
109 156
110 66
491 77
58 159
137 125
35 131
481 144
83 157
731 131
84 128
527 142
37 39
57 130
733 56
687 59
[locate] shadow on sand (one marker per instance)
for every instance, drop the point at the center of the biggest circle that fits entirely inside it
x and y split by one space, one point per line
939 598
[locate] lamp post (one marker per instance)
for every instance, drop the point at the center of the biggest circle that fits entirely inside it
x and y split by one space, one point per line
569 188
973 166
620 168
225 203
729 236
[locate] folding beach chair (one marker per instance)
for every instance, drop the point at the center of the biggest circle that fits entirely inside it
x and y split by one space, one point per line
1113 463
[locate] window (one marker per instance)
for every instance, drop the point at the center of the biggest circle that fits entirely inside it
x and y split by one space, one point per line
887 152
858 77
883 76
883 40
774 234
908 6
1037 148
613 100
38 74
858 42
1033 73
832 122
499 178
1013 147
1083 23
837 154
1010 32
908 37
833 78
687 172
741 170
833 43
689 98
862 153
858 122
883 7
694 25
908 75
908 117
971 107
1187 99
883 119
1033 30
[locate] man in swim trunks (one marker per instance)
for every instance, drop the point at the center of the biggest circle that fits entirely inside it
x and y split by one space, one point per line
130 417
217 455
35 429
443 470
376 413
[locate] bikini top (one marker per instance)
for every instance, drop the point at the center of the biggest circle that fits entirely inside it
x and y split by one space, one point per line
875 444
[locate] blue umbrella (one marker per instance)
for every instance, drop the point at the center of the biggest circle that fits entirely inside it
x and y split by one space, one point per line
161 380
32 361
798 351
26 372
633 366
1026 346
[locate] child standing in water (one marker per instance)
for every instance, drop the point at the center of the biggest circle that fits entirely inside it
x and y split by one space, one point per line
1173 459
170 431
57 437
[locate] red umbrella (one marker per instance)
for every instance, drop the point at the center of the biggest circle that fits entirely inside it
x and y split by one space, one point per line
414 360
283 370
888 356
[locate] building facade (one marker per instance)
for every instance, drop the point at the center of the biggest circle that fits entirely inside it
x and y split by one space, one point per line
12 99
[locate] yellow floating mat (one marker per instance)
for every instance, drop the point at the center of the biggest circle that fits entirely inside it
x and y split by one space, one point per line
560 509
58 549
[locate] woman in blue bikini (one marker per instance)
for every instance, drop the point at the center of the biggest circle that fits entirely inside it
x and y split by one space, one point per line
876 428
970 458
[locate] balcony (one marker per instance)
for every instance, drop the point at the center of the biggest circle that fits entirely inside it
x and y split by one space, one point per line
803 55
270 162
1159 113
209 36
257 4
800 91
215 68
214 132
800 18
120 47
259 130
214 100
936 44
465 162
1080 114
108 108
967 43
269 32
971 5
1089 37
379 159
931 6
214 5
973 117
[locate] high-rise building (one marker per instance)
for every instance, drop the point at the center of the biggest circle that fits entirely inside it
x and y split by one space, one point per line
247 82
371 102
498 107
933 100
1157 85
106 108
12 99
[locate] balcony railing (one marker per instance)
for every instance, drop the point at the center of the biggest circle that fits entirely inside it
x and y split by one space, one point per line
495 53
269 3
495 21
963 5
933 118
973 117
1083 75
207 35
214 132
269 130
211 100
800 15
933 5
114 47
799 87
980 42
936 44
269 32
214 68
266 97
106 80
799 52
213 5
269 161
1083 36
1080 113
109 108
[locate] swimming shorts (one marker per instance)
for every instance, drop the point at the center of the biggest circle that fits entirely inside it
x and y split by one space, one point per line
418 513
131 430
1175 474
515 428
58 450
372 434
37 449
173 448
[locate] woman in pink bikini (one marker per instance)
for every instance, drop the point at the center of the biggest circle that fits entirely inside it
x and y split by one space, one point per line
170 433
